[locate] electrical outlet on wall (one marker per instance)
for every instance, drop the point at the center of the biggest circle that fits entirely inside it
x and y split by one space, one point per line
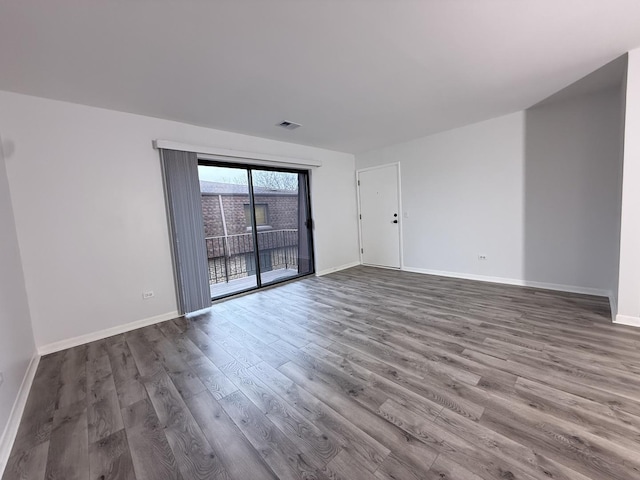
148 294
482 256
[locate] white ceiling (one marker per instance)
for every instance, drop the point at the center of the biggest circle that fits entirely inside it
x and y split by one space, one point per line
358 74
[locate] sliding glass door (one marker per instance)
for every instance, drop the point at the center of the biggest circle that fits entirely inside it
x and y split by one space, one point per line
257 226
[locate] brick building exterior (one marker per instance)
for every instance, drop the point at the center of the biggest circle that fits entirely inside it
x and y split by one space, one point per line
231 257
281 212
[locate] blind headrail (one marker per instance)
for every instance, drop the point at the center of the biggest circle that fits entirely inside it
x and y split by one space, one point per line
236 156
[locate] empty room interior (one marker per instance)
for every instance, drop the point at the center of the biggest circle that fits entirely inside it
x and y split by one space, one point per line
357 240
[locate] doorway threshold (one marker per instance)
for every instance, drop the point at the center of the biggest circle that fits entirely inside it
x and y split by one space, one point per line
221 290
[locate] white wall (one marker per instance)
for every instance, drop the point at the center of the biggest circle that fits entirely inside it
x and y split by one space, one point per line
537 192
90 213
16 337
629 279
462 192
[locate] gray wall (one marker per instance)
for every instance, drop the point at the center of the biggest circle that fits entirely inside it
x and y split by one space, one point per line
16 337
537 192
572 189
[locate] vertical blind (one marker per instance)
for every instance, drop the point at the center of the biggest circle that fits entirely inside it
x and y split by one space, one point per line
182 190
305 262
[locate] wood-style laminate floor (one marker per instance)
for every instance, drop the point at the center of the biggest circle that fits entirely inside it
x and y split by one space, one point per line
363 374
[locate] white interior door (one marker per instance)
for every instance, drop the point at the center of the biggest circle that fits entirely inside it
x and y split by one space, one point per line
380 216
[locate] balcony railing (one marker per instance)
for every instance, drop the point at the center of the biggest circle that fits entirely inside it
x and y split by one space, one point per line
232 256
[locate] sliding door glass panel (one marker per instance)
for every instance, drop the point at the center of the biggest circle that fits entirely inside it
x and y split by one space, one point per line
228 225
257 226
282 224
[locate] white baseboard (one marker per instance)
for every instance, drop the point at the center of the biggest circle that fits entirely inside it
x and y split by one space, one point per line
627 320
337 269
512 281
108 332
11 429
384 267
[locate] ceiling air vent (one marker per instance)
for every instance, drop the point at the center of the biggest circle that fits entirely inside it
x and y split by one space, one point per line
289 125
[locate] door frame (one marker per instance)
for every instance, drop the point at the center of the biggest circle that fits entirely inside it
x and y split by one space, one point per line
248 167
400 211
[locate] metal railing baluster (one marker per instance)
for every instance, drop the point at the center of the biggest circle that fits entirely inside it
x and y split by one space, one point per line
228 254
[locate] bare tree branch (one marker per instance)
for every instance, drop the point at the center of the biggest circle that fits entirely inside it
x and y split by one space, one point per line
275 180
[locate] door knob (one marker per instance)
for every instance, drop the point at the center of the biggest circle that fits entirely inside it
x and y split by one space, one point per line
395 221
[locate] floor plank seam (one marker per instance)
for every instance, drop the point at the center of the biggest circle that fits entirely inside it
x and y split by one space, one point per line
359 374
